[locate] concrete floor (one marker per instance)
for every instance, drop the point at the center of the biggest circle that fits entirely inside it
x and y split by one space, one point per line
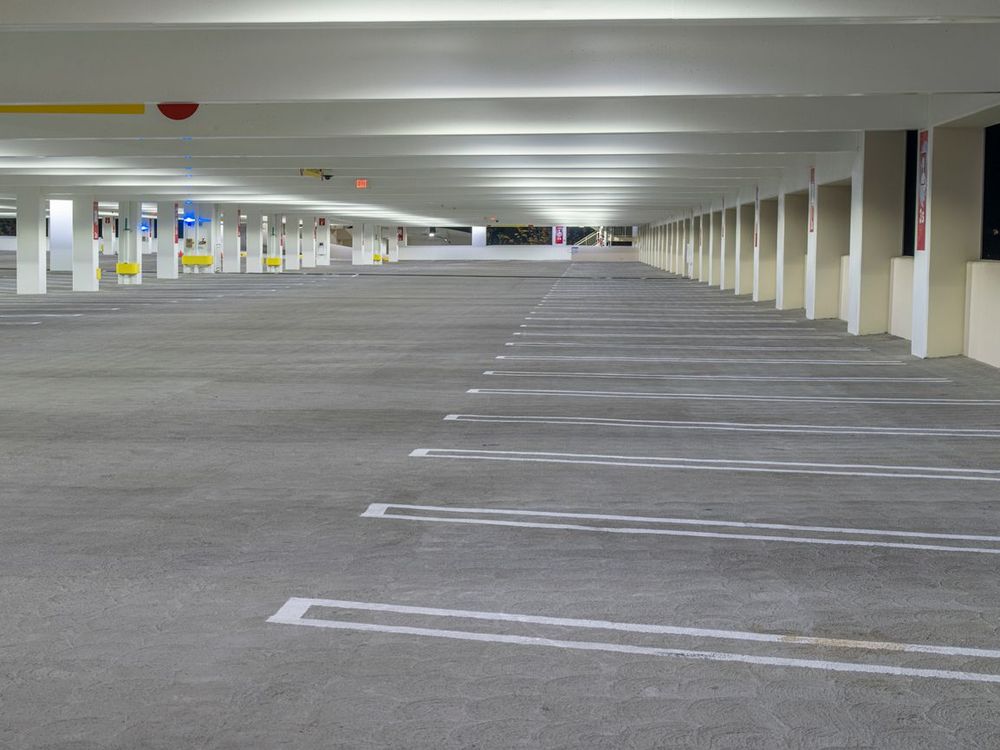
185 457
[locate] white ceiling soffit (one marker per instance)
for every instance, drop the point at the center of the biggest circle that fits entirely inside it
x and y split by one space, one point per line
183 12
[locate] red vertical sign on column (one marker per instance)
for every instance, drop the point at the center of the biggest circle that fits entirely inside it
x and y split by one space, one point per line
560 236
923 175
812 200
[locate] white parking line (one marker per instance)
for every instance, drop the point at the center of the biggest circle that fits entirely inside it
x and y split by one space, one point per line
939 432
737 378
649 527
735 335
294 611
713 360
719 464
776 398
690 347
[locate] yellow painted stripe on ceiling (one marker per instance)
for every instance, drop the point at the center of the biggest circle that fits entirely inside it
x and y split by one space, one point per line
72 109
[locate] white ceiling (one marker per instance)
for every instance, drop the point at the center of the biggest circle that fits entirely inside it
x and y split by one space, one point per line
546 111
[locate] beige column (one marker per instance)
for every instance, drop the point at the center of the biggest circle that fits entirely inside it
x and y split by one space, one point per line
744 249
765 252
953 238
30 259
827 244
877 208
792 234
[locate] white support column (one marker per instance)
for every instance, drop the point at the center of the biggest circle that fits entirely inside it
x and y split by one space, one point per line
61 235
765 253
363 250
952 237
293 243
728 268
274 260
231 261
828 243
877 209
255 241
792 236
85 256
479 236
322 241
166 240
396 235
129 266
704 243
31 260
214 211
715 248
310 239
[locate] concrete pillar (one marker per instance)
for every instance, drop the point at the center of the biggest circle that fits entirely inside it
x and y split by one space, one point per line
362 253
665 247
694 263
704 246
728 270
31 260
829 241
715 248
792 236
231 261
274 261
293 243
255 241
129 266
479 236
396 236
678 248
84 250
745 217
60 235
166 240
765 252
322 241
952 237
310 236
189 236
877 210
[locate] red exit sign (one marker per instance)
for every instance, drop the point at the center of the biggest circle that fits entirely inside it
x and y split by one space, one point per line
361 183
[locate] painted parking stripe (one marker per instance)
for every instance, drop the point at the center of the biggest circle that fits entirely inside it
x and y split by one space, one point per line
294 611
645 525
578 421
737 378
712 360
23 323
688 347
776 398
613 329
735 335
718 464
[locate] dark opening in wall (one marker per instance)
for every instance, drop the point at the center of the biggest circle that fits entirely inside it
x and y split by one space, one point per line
991 195
910 204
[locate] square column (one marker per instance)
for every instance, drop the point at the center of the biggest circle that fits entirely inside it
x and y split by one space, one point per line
166 240
765 252
322 241
31 260
704 246
85 253
715 248
231 238
950 236
310 237
877 210
728 269
363 245
255 241
293 243
745 217
60 235
129 266
829 241
274 260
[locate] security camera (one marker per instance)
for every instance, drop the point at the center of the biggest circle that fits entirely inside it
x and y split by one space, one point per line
327 176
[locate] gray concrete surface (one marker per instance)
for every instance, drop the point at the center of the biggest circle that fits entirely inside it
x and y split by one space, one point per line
186 456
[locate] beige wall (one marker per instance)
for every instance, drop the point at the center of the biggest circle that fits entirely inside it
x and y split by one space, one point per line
983 311
793 231
901 297
766 253
827 245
